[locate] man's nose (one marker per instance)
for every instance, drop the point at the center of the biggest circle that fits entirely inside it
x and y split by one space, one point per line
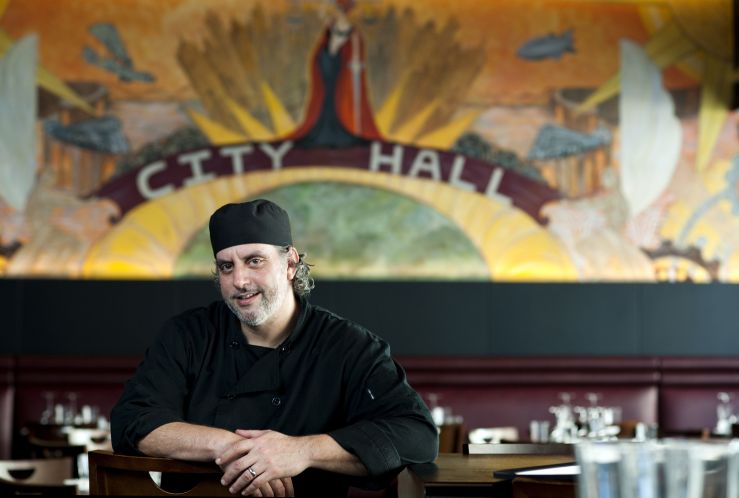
242 278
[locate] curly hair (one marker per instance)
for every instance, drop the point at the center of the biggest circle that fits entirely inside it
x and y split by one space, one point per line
303 283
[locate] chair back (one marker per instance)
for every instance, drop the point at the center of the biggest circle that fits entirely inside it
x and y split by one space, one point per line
519 449
451 438
483 435
112 474
43 477
91 439
56 450
36 471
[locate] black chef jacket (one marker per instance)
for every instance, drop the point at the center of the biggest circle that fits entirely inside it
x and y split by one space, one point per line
329 376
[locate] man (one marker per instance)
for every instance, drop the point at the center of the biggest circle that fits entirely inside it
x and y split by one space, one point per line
286 397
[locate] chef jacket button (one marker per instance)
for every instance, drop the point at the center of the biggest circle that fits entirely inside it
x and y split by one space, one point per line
234 345
276 401
285 349
231 396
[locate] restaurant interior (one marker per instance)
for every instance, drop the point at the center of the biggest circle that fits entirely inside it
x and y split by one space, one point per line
536 206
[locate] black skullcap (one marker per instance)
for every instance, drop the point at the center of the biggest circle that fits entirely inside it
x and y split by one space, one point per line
254 222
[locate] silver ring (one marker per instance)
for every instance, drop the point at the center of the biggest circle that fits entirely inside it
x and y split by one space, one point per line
251 471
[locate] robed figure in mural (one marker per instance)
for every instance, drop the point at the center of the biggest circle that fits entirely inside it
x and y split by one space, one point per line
338 113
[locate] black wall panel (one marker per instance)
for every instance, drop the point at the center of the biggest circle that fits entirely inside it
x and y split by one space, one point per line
417 318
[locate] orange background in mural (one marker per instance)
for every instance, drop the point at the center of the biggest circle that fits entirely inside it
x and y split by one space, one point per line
151 30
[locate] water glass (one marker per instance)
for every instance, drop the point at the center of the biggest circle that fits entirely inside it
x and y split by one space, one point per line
700 469
539 431
658 469
620 469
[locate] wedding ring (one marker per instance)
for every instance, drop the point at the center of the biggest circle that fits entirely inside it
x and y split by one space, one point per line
251 471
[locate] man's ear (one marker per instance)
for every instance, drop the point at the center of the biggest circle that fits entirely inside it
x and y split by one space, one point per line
292 262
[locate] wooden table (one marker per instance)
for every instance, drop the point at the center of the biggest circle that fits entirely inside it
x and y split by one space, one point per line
454 474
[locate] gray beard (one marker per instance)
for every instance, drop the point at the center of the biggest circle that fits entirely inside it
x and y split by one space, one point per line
267 308
268 305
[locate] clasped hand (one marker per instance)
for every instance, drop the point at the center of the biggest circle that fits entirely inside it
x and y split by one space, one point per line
263 462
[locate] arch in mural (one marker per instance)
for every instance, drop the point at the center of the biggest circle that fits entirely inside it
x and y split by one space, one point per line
148 240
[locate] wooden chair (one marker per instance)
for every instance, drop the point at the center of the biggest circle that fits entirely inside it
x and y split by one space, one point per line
91 439
54 450
483 435
627 429
54 441
36 471
451 438
519 449
121 475
36 477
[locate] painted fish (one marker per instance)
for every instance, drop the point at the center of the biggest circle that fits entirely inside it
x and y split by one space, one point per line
117 60
104 134
547 47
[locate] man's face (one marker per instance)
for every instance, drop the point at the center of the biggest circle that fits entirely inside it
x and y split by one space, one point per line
255 280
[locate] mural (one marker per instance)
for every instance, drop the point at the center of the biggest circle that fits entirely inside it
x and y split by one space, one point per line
556 141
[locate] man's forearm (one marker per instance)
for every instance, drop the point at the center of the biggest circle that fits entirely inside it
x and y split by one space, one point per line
327 454
185 441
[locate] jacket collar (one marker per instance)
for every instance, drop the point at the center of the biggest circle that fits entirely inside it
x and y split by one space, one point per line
264 375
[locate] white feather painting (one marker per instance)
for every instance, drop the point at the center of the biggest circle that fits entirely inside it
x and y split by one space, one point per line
650 132
17 122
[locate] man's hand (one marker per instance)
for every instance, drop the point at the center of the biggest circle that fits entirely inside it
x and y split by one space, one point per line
262 463
276 487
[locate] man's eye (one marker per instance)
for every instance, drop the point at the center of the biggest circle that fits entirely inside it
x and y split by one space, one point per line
256 261
225 266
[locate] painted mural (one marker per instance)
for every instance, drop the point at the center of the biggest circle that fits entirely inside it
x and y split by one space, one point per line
538 140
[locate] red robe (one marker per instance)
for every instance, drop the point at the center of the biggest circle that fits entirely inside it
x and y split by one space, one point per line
344 95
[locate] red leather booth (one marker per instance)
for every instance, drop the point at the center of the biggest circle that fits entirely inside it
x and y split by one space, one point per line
677 393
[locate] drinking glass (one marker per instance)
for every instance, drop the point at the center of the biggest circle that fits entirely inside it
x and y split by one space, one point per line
47 416
539 431
70 410
620 469
658 469
700 469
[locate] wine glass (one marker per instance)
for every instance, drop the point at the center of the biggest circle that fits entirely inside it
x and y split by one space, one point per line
47 416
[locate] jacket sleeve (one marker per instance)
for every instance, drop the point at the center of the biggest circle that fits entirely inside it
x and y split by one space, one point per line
155 395
388 424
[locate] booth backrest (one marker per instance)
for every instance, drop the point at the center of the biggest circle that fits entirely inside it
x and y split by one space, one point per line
689 391
95 381
493 392
677 393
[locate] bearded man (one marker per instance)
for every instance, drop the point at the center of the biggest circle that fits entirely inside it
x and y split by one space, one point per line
287 398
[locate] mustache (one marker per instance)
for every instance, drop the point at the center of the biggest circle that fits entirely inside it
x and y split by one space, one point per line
243 292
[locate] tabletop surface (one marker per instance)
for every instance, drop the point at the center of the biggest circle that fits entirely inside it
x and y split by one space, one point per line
475 470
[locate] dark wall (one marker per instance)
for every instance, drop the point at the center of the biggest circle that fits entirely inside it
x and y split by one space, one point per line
417 318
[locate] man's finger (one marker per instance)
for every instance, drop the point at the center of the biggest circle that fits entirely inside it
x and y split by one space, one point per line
278 488
237 475
255 485
240 485
288 482
267 490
